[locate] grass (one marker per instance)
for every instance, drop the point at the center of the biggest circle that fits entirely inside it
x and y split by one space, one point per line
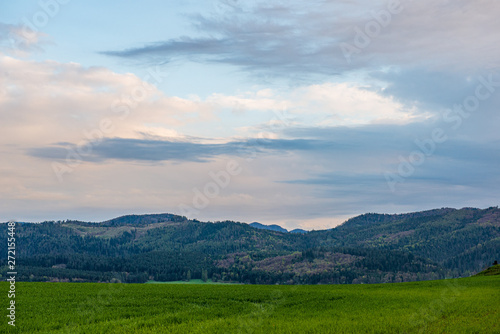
468 305
193 281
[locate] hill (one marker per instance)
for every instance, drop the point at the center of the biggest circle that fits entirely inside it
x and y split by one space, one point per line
276 228
299 230
463 241
369 248
491 271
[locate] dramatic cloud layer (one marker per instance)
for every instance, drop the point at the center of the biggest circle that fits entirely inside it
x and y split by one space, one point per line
315 111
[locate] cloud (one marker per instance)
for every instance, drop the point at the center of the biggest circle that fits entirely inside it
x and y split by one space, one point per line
425 58
431 90
20 41
345 144
165 150
347 159
49 102
308 153
325 104
290 38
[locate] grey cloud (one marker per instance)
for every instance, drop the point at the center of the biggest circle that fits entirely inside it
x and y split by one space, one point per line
460 170
429 88
440 179
438 172
297 37
262 37
161 150
182 46
334 140
364 140
360 152
368 138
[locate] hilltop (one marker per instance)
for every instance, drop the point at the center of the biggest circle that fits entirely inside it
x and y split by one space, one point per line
276 228
491 271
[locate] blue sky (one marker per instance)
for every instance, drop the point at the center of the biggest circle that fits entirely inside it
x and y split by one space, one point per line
293 113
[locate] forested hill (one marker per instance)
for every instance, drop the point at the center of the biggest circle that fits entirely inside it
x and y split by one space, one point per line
366 249
463 240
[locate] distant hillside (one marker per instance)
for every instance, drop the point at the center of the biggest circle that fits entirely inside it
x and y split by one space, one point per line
276 228
143 220
463 241
164 247
299 230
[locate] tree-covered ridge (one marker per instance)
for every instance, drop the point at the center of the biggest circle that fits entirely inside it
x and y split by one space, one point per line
366 249
461 240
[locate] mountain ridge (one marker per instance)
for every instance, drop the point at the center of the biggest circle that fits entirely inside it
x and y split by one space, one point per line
367 248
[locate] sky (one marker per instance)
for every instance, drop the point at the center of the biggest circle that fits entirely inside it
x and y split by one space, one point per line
301 114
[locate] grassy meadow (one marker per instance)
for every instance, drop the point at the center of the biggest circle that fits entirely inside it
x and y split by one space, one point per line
468 305
193 281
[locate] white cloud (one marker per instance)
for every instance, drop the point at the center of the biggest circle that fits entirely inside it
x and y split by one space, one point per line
49 102
327 104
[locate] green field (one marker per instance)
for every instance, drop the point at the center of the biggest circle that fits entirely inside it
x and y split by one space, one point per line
469 305
193 281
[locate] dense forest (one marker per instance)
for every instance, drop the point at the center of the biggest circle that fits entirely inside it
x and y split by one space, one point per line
370 248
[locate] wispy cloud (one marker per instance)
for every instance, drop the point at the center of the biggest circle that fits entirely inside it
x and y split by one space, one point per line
294 37
19 40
